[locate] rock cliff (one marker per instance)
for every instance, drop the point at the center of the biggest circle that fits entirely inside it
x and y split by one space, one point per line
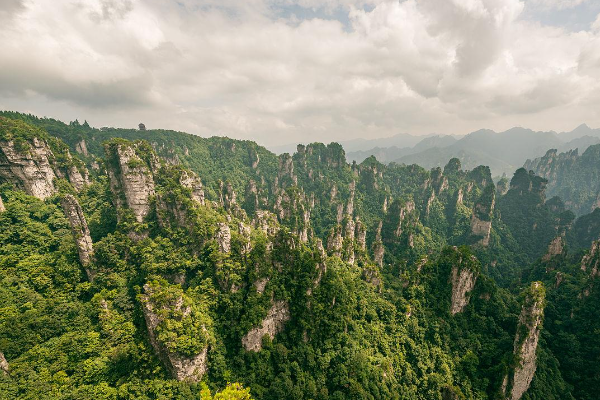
28 166
273 323
555 248
81 232
183 368
517 381
481 218
131 179
463 279
4 364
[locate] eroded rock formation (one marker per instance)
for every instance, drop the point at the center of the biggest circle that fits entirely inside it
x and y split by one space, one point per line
81 232
181 367
224 237
481 219
131 179
273 323
591 261
28 168
517 382
4 364
555 248
463 281
191 181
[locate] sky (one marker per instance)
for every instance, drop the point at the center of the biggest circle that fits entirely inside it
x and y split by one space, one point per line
285 71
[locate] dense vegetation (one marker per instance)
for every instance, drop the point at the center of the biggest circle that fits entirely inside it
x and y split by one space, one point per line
360 262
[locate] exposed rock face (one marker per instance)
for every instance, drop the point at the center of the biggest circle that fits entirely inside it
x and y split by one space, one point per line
266 221
481 219
28 169
273 323
361 235
80 230
191 181
77 179
463 281
224 238
335 241
182 368
591 261
81 148
405 210
2 208
130 179
526 341
378 249
554 249
4 364
261 284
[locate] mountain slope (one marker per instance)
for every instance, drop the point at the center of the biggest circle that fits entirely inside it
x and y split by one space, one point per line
320 279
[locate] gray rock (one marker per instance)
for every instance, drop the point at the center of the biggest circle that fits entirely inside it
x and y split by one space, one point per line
181 367
30 169
273 323
525 345
80 230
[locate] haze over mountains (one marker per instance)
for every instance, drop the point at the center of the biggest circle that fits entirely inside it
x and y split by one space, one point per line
503 152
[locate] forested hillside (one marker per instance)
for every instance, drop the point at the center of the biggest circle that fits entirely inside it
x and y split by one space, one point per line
573 177
150 264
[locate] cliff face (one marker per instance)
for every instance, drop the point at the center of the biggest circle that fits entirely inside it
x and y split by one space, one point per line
517 382
591 261
192 181
273 323
463 278
183 368
80 230
28 168
131 178
481 218
4 364
555 248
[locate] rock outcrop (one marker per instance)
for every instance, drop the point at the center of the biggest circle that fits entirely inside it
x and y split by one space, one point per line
4 364
81 148
181 367
191 181
463 281
224 237
517 382
481 219
81 232
131 179
273 323
591 261
28 168
555 248
2 208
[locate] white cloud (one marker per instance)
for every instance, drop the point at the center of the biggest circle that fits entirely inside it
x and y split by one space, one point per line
240 69
557 4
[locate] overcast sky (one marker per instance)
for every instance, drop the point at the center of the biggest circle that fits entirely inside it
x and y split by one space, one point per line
281 71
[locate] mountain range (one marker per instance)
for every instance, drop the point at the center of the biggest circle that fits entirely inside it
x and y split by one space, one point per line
503 152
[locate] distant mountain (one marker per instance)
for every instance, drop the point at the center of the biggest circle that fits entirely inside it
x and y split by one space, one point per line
399 141
388 154
574 178
503 152
581 131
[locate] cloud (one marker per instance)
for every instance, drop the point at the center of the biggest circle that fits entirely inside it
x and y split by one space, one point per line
557 4
244 69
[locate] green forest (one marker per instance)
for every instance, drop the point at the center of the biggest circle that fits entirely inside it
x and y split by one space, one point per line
153 264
